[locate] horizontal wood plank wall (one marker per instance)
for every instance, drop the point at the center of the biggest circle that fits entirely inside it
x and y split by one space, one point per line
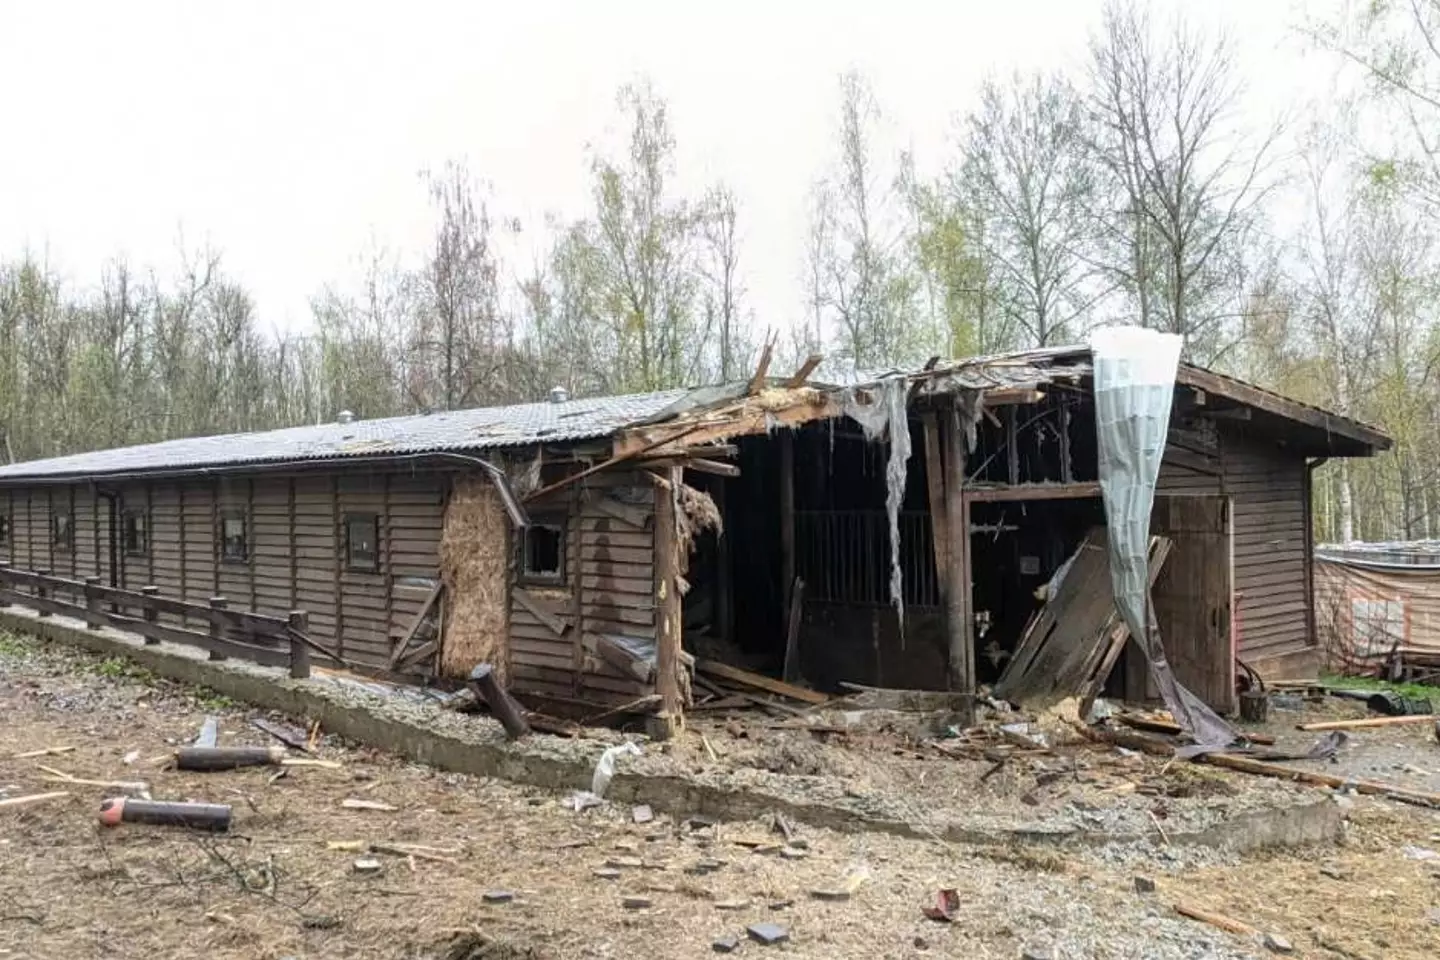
166 550
1267 486
7 510
410 530
272 545
84 560
315 557
198 540
363 602
234 580
542 661
617 575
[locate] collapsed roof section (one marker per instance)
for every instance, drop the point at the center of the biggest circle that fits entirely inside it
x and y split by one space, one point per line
650 421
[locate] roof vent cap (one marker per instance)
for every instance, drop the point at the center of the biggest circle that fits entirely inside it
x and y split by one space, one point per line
559 395
345 416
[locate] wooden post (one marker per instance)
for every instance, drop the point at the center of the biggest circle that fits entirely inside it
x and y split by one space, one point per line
299 622
957 581
1067 469
1012 448
724 583
787 519
666 723
149 613
217 627
4 584
791 668
935 489
93 620
502 705
42 592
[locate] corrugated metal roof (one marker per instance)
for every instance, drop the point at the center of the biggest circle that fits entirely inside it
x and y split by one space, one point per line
457 430
1391 555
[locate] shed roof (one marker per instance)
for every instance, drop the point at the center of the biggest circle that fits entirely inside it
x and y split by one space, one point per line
546 422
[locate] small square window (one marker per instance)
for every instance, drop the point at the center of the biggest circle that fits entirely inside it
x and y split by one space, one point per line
135 533
62 532
362 541
543 551
234 538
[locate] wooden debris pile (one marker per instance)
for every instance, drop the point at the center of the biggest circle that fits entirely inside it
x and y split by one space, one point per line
725 687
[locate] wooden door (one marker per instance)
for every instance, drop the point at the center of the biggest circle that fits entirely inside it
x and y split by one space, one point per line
1193 594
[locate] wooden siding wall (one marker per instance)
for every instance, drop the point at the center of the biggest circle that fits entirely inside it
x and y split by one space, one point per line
297 546
609 588
1268 489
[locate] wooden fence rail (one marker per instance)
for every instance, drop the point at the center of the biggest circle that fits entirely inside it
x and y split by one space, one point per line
258 638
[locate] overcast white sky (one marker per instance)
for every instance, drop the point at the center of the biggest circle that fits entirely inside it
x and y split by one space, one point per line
287 135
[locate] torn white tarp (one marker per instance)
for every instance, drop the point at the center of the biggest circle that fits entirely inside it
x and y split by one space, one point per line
888 415
1134 386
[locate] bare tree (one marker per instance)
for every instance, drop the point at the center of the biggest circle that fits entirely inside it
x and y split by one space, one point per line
1184 180
1027 173
720 266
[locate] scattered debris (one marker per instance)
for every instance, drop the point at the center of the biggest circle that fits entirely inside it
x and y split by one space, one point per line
725 944
1368 722
286 734
498 896
355 803
130 757
42 752
946 905
1144 885
757 681
1277 944
768 934
642 813
14 803
367 865
743 904
227 758
636 902
1247 765
606 873
135 788
209 733
1038 951
416 851
1419 853
199 816
502 706
793 853
1228 924
348 846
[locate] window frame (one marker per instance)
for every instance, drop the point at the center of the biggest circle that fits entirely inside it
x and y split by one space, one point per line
222 547
66 543
560 524
373 520
143 515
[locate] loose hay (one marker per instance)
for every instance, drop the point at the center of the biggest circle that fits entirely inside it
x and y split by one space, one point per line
474 565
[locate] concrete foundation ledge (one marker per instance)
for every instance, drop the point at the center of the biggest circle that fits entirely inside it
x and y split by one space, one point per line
477 746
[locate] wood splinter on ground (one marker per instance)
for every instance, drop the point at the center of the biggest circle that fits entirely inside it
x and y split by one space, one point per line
352 803
43 752
1368 722
13 803
1228 924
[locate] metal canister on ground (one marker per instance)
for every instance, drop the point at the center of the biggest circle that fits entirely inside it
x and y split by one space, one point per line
197 816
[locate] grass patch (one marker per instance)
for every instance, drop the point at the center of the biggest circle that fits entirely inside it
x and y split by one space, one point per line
119 668
1416 691
208 699
13 646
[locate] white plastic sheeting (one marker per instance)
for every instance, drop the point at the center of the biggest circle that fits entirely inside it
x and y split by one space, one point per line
1134 386
888 416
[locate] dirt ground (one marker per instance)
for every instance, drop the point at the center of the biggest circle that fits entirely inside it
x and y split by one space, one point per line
275 887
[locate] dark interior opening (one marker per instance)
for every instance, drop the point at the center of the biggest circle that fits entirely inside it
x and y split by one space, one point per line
542 557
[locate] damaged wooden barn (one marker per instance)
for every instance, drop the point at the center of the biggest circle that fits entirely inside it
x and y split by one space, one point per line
940 528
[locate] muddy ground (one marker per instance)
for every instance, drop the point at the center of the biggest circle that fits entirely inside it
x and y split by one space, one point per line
274 887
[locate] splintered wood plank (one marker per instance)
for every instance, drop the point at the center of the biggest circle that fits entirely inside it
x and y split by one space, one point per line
759 681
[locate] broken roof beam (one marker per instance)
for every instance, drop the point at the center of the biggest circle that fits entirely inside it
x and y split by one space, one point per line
747 419
798 378
1032 491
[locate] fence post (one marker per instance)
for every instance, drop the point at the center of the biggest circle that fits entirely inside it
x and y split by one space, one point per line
299 622
217 628
149 613
42 592
93 620
4 585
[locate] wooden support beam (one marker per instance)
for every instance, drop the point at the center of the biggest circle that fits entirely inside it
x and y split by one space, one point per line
787 517
1000 396
1033 491
666 723
724 581
415 622
757 381
1012 448
791 668
1067 467
743 421
799 377
935 491
957 582
759 681
715 467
